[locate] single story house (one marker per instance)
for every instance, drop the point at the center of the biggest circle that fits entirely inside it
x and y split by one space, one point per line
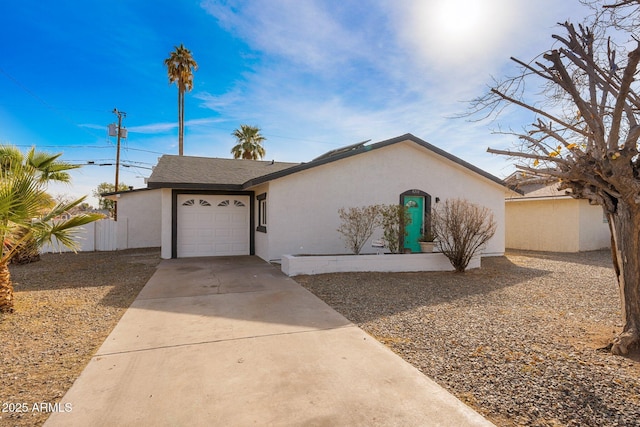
197 206
544 218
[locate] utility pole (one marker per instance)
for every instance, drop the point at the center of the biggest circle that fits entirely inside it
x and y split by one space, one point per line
120 134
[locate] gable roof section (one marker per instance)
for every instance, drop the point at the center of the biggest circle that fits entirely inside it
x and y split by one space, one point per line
359 149
236 174
541 191
209 173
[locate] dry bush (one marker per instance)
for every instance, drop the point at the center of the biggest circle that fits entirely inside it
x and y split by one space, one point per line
358 224
461 228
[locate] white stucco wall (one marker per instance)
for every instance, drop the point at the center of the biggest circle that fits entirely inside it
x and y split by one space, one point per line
261 239
165 236
139 219
303 207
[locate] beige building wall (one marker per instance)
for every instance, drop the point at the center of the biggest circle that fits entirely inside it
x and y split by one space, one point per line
543 225
559 224
594 229
303 207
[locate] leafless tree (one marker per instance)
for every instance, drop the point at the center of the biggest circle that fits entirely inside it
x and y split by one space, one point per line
585 133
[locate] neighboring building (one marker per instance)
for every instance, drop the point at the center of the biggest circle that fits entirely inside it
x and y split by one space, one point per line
546 219
197 206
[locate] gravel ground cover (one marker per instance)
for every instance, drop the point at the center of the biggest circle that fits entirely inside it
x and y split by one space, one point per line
65 307
518 340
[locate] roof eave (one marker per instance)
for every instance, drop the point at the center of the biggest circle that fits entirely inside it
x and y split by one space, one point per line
195 185
377 145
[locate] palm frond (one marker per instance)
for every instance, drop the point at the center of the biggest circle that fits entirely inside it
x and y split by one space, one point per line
62 232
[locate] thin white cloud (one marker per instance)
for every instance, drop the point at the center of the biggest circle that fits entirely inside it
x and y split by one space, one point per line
308 34
155 128
344 72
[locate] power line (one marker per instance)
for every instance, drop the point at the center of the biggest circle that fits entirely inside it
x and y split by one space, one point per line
126 165
64 146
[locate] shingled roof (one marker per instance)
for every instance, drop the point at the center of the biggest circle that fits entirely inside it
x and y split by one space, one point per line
209 173
236 174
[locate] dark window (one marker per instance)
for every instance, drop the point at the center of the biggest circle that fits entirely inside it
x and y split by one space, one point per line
262 212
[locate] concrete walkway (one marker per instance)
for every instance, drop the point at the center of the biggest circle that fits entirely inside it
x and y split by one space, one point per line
234 342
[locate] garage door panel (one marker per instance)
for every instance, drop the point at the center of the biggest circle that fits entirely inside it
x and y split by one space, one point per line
236 234
238 218
222 217
204 217
222 233
212 225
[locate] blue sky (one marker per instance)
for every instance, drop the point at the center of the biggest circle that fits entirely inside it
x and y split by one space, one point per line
313 75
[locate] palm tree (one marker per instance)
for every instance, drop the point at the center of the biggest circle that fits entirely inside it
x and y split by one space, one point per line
249 143
47 168
22 198
180 66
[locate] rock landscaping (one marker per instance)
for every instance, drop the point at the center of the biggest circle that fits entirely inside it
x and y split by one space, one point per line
519 340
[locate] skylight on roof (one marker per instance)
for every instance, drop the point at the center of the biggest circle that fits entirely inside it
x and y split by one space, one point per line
341 150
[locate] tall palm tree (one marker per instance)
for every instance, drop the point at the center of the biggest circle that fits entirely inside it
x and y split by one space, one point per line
180 67
22 198
249 143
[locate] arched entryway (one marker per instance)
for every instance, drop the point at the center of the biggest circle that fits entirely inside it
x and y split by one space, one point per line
418 204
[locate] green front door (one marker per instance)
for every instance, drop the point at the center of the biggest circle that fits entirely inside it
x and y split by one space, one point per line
415 206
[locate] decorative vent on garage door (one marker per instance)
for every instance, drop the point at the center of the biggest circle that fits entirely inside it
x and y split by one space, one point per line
192 202
236 203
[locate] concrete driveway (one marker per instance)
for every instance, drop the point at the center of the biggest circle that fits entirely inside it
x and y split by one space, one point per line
231 341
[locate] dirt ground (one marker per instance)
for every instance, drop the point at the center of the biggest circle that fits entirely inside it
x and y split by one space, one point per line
65 307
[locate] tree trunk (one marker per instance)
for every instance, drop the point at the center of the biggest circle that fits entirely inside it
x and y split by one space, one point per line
180 122
6 289
28 251
625 250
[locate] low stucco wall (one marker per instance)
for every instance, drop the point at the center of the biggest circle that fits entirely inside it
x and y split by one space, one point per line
297 265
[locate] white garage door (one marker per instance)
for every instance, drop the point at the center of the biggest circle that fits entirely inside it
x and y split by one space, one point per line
212 225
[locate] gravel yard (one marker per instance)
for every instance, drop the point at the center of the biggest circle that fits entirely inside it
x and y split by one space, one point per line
516 340
65 306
